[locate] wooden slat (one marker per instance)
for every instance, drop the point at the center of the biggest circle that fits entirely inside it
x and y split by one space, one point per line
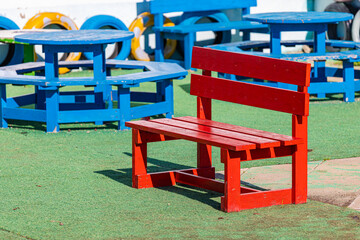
219 26
284 139
250 94
200 182
166 6
247 65
259 141
191 135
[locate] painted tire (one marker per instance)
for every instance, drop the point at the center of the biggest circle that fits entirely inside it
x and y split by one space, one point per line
121 49
355 30
45 20
191 18
138 26
342 30
15 52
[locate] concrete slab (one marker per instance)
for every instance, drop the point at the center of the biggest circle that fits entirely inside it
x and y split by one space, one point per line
334 181
356 203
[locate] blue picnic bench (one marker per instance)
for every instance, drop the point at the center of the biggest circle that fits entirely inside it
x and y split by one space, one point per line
81 106
187 32
316 22
54 107
318 86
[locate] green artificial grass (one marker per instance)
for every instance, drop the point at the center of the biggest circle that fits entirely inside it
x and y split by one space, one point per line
76 184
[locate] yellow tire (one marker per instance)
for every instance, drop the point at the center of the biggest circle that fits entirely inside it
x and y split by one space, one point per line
51 20
138 27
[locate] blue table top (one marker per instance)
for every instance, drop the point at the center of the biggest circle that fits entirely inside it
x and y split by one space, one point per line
298 17
75 37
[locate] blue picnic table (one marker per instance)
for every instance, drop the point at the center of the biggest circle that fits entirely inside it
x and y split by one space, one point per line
316 22
54 107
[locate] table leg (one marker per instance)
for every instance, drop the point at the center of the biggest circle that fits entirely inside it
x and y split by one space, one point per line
102 92
3 122
189 40
348 78
275 40
159 40
52 110
124 107
40 98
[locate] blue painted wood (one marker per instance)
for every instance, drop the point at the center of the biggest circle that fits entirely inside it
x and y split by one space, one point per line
52 110
165 6
299 17
149 110
187 33
3 105
298 21
25 114
40 98
216 26
21 101
124 107
319 83
94 115
348 77
84 109
75 37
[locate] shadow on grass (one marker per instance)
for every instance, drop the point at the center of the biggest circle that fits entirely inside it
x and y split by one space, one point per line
185 87
124 176
335 97
39 126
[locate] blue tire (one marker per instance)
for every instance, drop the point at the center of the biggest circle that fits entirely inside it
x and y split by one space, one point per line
190 18
122 49
16 51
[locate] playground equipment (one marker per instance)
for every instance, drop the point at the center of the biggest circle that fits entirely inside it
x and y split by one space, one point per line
347 30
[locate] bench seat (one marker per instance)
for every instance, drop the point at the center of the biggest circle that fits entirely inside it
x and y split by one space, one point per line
217 134
219 26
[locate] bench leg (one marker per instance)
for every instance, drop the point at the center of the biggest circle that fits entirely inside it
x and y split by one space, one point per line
139 158
169 98
204 160
40 98
124 107
52 110
230 202
299 162
348 77
3 122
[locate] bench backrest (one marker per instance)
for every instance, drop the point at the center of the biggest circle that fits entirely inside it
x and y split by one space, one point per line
167 6
250 66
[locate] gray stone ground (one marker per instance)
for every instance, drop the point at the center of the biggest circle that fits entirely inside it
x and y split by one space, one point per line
333 181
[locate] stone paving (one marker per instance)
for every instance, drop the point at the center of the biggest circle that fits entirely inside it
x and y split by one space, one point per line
333 181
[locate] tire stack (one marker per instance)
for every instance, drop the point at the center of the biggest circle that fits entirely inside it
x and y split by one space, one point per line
347 30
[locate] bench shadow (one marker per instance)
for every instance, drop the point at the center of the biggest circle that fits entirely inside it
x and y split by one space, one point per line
185 87
39 126
332 97
124 176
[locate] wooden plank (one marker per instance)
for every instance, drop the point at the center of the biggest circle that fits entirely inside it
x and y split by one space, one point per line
218 26
191 135
247 65
200 182
259 141
284 139
250 94
166 6
260 199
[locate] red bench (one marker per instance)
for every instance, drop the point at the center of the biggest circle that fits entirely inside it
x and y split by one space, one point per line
237 143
